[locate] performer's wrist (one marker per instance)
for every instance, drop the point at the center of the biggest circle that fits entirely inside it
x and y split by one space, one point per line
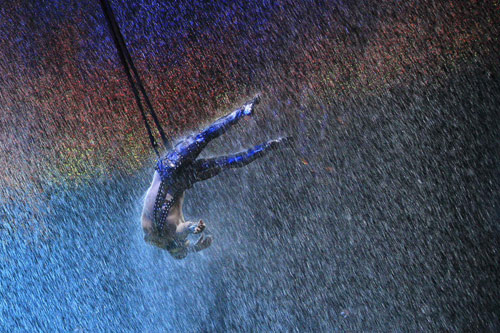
192 228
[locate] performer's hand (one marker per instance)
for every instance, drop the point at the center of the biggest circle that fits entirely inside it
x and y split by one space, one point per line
199 227
202 243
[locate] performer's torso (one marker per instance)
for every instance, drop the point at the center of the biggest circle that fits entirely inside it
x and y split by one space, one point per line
174 213
176 180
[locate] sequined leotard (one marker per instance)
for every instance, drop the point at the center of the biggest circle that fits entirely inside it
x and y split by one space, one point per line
179 169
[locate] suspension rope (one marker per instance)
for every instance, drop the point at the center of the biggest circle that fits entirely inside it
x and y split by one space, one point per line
128 64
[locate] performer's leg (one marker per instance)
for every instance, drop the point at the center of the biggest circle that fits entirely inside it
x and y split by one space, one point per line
221 125
187 150
208 168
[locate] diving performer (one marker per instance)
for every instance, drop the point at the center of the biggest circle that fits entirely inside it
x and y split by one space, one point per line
162 219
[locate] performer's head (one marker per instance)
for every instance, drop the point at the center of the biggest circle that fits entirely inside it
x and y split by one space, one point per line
177 249
178 252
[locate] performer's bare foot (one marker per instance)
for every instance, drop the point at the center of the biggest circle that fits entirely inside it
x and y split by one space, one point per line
248 108
285 141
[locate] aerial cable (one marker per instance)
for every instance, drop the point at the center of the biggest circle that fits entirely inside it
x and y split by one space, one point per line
128 64
123 46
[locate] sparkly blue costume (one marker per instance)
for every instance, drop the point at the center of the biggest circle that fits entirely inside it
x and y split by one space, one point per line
180 169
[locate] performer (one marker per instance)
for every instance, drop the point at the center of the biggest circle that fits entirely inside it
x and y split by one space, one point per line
162 218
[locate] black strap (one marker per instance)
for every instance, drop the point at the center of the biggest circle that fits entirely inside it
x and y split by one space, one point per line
128 64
